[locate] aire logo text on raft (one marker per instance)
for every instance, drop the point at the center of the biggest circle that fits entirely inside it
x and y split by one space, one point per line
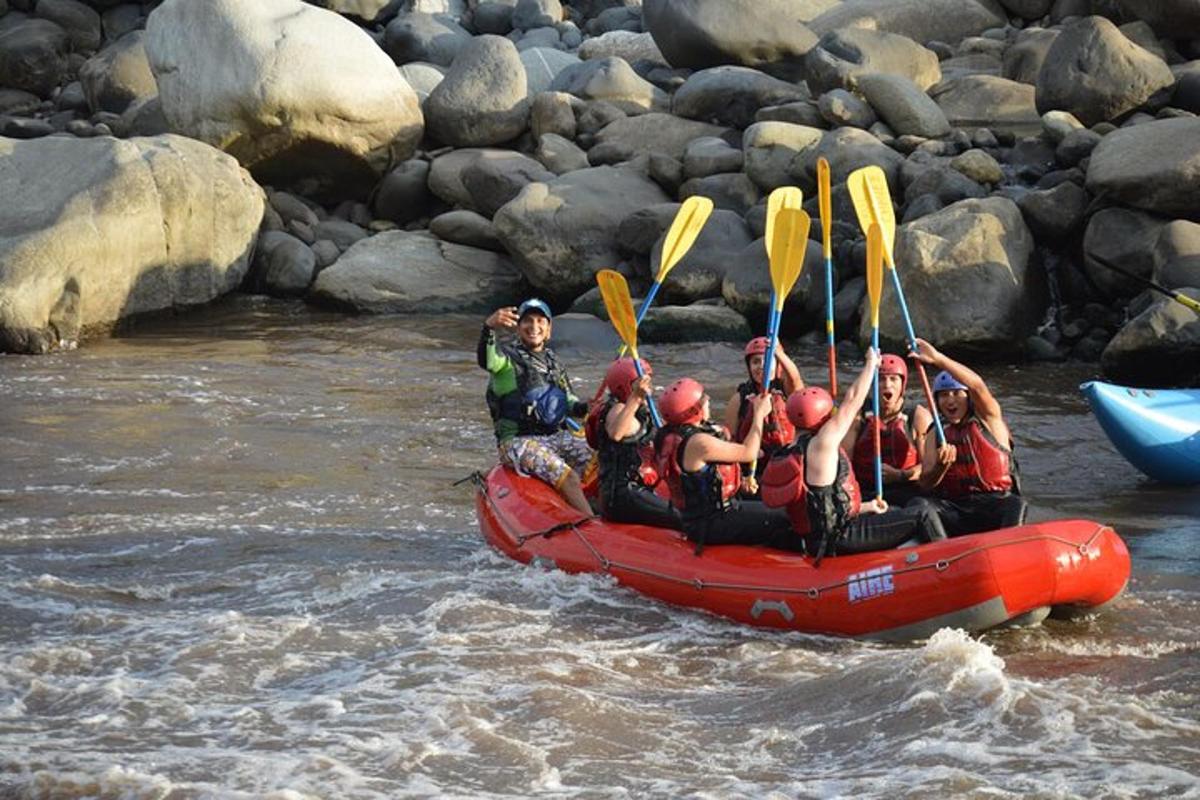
872 583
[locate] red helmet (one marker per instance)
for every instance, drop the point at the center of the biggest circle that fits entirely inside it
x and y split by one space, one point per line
809 408
894 365
622 375
682 402
757 346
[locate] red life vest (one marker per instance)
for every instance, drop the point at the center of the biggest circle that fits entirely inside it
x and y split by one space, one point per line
777 430
784 486
981 464
897 449
700 493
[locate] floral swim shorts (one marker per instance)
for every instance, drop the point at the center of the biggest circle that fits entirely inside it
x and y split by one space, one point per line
550 458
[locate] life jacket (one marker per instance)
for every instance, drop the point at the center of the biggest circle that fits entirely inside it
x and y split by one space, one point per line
777 430
783 486
539 404
629 461
981 464
895 446
695 494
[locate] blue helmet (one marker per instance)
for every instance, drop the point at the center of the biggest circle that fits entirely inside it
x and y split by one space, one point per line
534 306
945 382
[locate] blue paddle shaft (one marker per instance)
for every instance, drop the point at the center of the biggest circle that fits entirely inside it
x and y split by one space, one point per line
912 345
829 300
637 365
641 315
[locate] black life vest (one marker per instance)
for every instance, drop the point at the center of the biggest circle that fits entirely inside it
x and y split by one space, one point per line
705 491
777 430
539 404
784 486
629 461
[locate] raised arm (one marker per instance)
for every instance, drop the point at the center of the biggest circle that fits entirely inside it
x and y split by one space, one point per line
987 408
622 420
821 463
792 382
702 449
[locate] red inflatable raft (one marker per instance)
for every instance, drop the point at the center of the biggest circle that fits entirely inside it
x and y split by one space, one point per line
1011 576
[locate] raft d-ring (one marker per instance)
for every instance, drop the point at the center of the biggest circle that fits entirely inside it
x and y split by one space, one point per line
698 584
1085 548
605 564
813 593
942 566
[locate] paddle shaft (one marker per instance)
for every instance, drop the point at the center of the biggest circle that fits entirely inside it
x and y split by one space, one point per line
912 349
832 347
878 425
1177 296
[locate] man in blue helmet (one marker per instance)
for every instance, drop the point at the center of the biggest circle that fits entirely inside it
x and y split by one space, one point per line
973 475
530 399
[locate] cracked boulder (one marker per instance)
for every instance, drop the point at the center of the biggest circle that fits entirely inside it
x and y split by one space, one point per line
111 228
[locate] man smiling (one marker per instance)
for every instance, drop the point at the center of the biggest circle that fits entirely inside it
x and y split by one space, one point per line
529 397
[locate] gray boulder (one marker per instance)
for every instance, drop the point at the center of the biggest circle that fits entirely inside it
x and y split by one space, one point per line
968 278
81 23
1154 166
774 150
283 266
107 229
711 156
563 231
1023 59
118 75
1096 73
554 112
529 14
747 287
466 227
923 21
700 273
483 99
1028 9
1055 215
626 45
559 155
695 323
840 107
904 106
445 173
1160 344
417 36
1177 255
403 194
765 34
422 77
846 53
732 95
542 66
668 135
1171 19
399 272
987 101
120 20
731 190
492 182
33 56
369 11
614 81
299 95
1123 237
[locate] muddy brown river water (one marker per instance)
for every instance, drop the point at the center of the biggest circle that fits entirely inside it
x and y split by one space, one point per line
234 565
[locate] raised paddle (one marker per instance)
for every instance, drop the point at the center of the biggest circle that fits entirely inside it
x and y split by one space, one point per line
614 291
873 203
874 293
781 197
1158 287
825 203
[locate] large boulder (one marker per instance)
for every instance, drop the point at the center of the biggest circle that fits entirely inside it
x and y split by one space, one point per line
732 95
483 99
612 80
968 278
774 151
81 23
33 55
563 231
626 45
418 36
299 95
923 21
1171 19
664 134
109 228
1160 344
542 66
118 75
747 288
1154 166
1093 71
765 34
1024 57
492 182
1123 237
844 54
700 273
987 101
445 173
700 322
416 273
1177 255
904 106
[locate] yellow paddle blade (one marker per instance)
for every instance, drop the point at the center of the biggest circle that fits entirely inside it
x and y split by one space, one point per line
788 244
614 291
874 271
780 198
689 221
873 203
825 202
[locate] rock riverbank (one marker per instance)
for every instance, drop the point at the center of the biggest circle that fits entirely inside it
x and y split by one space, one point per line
457 154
